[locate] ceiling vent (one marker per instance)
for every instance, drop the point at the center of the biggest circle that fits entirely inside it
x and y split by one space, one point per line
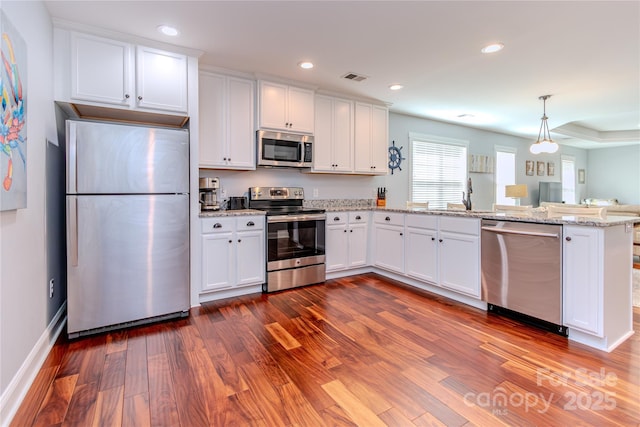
355 77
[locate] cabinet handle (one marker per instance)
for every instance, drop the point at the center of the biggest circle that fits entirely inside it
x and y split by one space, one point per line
351 231
387 219
358 217
126 96
250 224
568 238
345 231
224 159
440 240
336 218
230 241
229 159
139 98
433 238
239 240
401 234
217 225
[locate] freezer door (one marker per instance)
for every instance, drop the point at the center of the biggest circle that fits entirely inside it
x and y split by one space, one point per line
127 258
119 159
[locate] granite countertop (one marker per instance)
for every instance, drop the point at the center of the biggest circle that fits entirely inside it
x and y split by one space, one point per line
231 212
536 216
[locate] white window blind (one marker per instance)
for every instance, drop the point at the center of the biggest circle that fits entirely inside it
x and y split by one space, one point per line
438 172
568 179
505 174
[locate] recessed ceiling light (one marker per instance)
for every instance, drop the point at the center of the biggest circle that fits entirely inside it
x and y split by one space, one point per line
492 48
306 65
395 87
168 30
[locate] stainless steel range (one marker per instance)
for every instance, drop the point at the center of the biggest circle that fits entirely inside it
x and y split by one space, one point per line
295 237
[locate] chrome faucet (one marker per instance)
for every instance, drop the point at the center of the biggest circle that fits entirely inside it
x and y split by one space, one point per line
467 201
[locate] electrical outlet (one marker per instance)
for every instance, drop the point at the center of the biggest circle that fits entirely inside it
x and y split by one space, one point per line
315 192
51 288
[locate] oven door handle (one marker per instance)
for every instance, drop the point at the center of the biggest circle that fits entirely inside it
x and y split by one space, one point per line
291 218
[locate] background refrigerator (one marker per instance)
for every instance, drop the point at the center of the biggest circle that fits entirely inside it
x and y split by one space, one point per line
127 225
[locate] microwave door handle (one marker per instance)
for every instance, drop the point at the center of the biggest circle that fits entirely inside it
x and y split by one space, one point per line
301 154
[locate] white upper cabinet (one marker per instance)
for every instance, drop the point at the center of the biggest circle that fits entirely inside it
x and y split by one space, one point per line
287 108
333 138
226 109
371 134
104 72
161 80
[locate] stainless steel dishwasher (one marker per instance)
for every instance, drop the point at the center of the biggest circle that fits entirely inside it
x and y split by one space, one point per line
521 267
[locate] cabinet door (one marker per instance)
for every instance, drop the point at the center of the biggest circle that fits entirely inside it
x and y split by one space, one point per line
389 247
336 246
362 144
213 142
101 70
582 279
218 257
379 140
357 245
343 135
241 139
323 136
273 105
459 261
421 248
161 80
300 110
250 258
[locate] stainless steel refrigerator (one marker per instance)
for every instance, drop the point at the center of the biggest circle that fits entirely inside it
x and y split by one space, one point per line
127 225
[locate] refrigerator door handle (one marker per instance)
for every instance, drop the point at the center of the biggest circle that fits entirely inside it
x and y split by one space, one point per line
72 226
72 159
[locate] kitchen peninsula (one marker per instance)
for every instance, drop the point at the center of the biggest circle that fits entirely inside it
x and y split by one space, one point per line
439 251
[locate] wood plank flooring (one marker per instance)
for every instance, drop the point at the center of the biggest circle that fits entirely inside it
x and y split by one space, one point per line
361 351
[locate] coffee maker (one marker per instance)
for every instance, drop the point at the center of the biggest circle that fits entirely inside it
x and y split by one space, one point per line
209 194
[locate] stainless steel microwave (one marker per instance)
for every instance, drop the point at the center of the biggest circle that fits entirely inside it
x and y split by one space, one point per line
284 149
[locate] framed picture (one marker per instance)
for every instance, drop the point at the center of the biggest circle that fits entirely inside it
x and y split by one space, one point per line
540 166
551 168
581 178
529 167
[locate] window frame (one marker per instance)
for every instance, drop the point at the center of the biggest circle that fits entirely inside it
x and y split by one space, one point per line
435 139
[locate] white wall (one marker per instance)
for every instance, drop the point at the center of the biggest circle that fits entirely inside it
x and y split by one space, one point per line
23 269
480 142
614 173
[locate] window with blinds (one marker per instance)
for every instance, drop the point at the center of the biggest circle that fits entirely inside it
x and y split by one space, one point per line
438 171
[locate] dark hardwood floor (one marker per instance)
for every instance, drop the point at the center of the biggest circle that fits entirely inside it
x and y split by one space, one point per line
356 351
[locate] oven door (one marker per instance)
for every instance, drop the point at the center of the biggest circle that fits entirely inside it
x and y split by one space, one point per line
295 241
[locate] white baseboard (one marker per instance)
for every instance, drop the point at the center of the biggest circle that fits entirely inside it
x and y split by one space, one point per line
19 386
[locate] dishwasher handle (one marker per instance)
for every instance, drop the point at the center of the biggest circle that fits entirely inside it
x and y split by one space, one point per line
520 232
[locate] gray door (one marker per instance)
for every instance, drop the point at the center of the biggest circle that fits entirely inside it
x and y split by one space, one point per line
119 159
127 258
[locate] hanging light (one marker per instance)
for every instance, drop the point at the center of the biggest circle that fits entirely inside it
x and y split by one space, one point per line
546 144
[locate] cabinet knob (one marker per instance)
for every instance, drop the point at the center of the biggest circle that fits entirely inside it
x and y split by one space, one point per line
401 234
433 238
230 241
224 159
126 96
387 219
239 240
250 224
351 231
345 231
229 159
217 225
568 238
139 98
358 217
336 218
440 240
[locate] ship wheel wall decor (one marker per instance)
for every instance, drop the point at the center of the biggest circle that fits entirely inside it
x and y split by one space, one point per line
395 157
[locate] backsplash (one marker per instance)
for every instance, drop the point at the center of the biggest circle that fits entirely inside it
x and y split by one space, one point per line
339 203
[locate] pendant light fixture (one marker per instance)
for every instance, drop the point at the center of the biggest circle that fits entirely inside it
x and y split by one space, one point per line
546 144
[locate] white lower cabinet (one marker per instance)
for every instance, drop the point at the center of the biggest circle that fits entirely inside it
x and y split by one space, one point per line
233 252
388 241
582 278
421 247
346 240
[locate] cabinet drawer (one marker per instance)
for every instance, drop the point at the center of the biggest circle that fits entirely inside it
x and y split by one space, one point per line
217 225
337 218
429 222
460 225
358 217
245 223
389 218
